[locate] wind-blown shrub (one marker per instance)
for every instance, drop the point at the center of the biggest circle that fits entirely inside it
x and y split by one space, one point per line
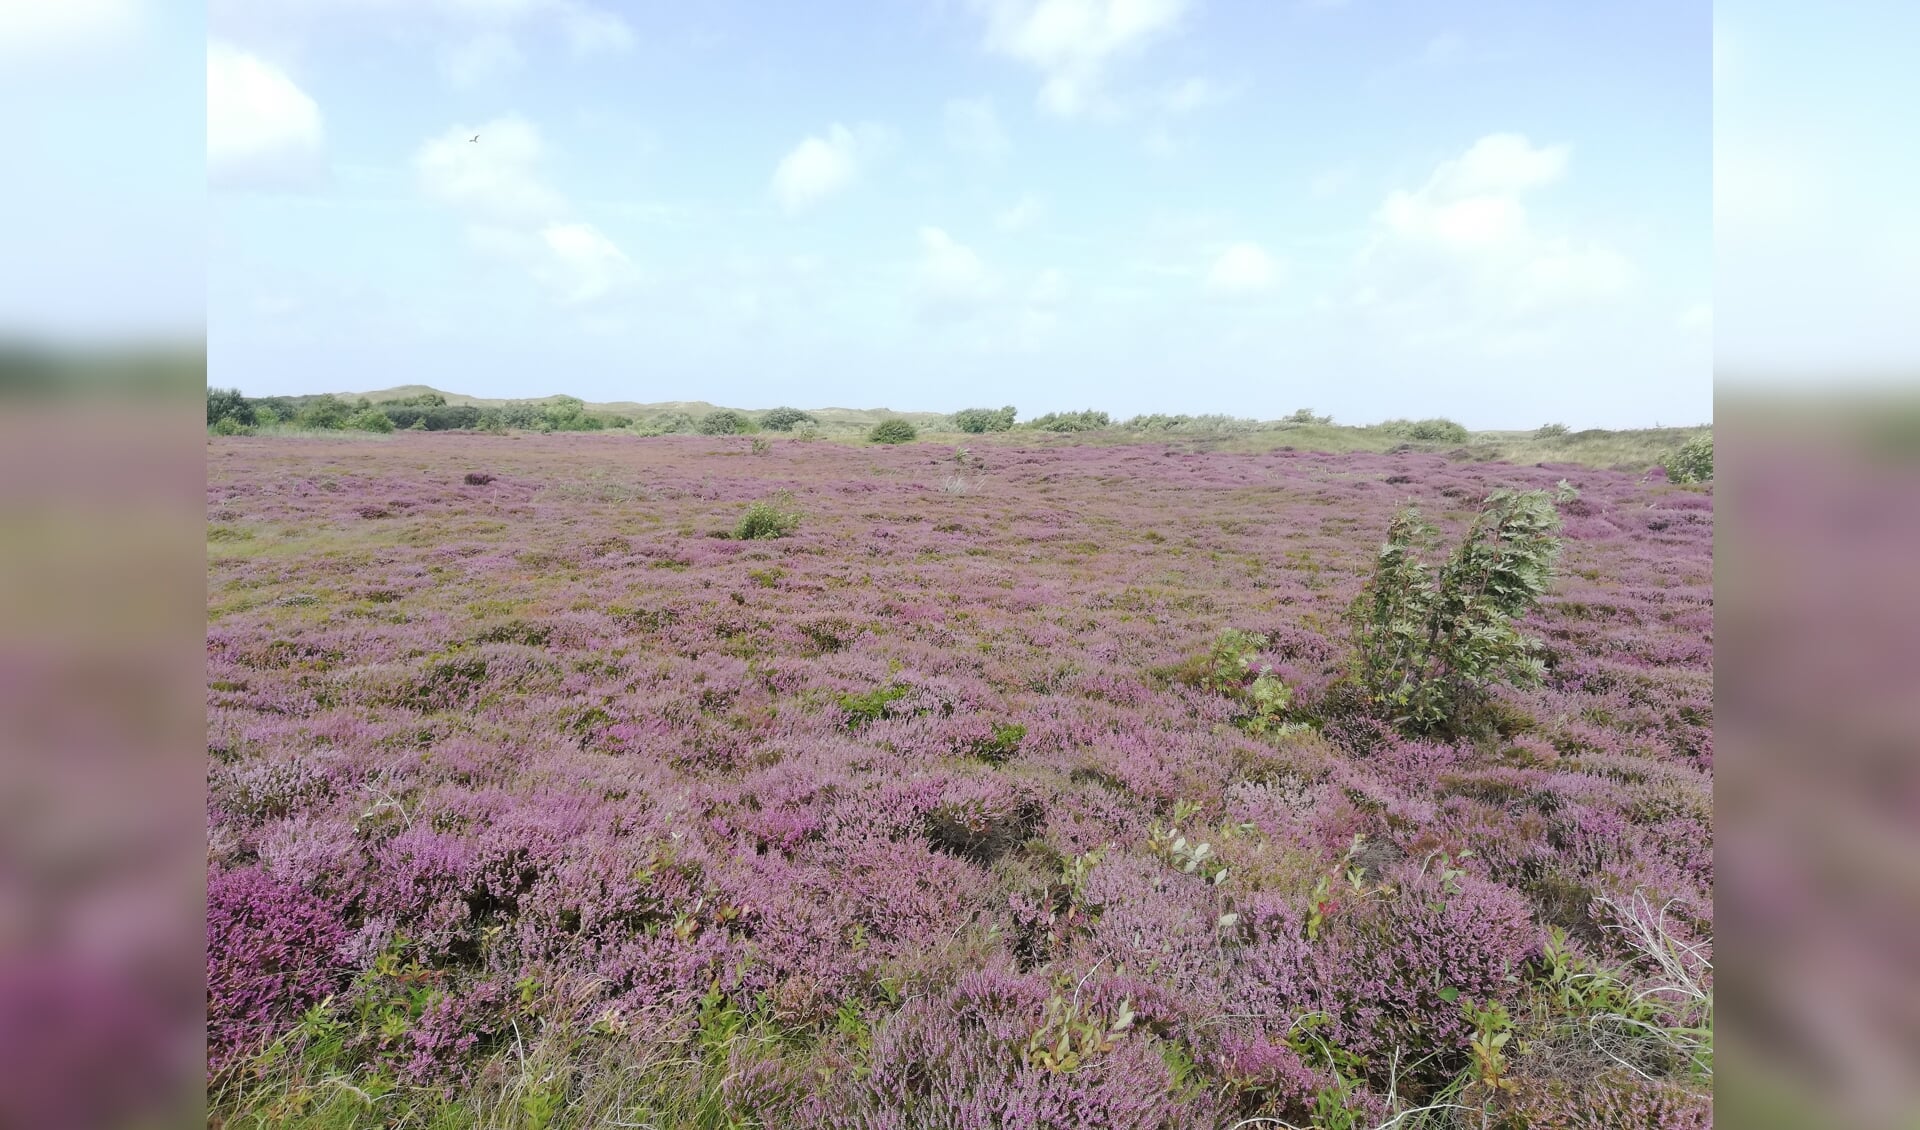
1694 463
724 422
1435 430
1429 648
1084 421
976 421
766 519
784 419
369 420
271 952
892 431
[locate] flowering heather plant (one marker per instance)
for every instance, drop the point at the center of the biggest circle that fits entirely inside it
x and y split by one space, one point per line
852 827
271 952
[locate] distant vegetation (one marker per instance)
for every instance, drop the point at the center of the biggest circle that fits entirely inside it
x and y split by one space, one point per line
1685 453
893 431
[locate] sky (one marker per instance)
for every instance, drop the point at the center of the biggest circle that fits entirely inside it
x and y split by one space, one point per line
1500 212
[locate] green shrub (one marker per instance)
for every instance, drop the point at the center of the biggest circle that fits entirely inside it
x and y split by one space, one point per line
864 708
230 426
1435 430
976 421
1087 421
1694 464
766 519
1000 747
724 422
1306 416
783 419
1429 648
893 431
370 420
324 413
228 404
1550 431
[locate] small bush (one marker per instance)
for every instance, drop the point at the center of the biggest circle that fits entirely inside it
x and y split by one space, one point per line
766 520
1002 745
1430 648
324 413
1306 416
1087 421
893 431
228 404
478 478
1550 431
1435 430
976 421
229 426
784 419
864 708
1694 464
370 420
724 422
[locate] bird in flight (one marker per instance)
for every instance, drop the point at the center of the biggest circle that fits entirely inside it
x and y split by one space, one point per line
475 137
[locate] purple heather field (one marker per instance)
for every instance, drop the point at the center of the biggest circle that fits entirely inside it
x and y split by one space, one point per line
892 822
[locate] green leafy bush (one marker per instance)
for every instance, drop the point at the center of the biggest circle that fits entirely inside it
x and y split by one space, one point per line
783 419
1087 421
1306 416
1435 430
230 426
893 431
1694 464
1430 646
229 404
1550 431
766 519
724 422
324 413
976 421
370 420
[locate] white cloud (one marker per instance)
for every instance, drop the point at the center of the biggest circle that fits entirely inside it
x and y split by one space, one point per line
45 30
1460 259
496 177
595 31
1073 43
581 262
514 215
480 58
262 130
953 281
1241 269
1021 215
817 168
973 129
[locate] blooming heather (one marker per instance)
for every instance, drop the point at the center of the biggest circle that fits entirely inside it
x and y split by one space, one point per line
514 708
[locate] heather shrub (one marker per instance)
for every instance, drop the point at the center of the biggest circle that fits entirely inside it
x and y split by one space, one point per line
784 419
1001 745
976 421
1007 1052
982 818
893 431
1391 971
766 519
1694 463
1429 648
724 422
1615 1101
271 953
